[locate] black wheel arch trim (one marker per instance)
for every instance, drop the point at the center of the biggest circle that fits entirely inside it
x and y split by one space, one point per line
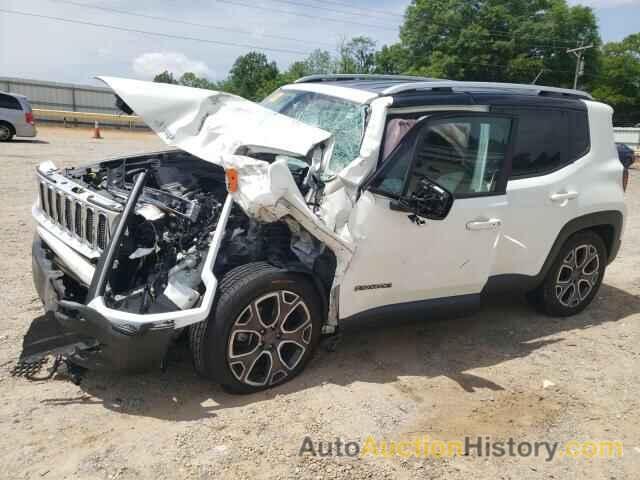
299 267
611 220
435 308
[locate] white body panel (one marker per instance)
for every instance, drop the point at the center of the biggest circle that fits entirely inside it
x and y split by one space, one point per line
446 259
212 124
419 262
539 207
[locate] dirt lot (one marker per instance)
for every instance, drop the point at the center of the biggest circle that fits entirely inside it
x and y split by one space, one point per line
480 375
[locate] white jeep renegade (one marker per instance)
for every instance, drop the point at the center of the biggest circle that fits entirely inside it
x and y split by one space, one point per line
268 225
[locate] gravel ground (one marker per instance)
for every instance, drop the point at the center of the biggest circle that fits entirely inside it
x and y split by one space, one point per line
504 372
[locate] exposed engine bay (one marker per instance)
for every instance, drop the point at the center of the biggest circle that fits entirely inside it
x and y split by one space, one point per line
159 261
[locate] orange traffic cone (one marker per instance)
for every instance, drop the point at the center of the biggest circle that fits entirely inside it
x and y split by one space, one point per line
96 130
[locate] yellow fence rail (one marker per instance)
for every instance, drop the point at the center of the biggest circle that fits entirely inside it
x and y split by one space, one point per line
68 117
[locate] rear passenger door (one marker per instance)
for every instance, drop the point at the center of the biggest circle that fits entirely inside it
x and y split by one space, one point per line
543 191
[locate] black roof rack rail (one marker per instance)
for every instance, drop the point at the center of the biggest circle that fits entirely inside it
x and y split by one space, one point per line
364 76
489 87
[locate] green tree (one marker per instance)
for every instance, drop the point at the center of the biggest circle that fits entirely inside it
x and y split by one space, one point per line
497 40
253 76
619 81
319 62
190 79
165 77
390 59
357 55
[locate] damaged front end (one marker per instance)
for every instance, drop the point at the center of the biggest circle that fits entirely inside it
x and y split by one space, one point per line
120 253
129 252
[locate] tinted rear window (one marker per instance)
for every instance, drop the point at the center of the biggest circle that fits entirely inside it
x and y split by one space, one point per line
547 138
7 101
541 141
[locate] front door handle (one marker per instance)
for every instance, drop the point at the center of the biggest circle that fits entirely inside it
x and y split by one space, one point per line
490 224
562 196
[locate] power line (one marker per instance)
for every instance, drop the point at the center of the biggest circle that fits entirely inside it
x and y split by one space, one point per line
517 67
503 36
384 12
156 34
185 22
327 9
306 15
553 44
177 37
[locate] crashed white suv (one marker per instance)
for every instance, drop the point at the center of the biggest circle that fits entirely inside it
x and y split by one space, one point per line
271 224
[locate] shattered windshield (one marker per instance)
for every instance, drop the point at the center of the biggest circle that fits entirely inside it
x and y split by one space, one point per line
342 118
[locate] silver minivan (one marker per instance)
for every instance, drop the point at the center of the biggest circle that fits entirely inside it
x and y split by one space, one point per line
16 117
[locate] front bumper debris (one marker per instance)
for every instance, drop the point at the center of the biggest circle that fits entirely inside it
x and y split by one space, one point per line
81 334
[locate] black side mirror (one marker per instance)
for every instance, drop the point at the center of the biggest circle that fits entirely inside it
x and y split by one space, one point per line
429 200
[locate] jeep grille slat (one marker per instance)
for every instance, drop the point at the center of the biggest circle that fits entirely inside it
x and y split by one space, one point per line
43 201
68 214
50 204
78 219
89 226
103 232
59 211
86 222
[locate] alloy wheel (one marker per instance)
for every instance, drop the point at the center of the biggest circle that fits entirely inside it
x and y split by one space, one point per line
269 338
578 275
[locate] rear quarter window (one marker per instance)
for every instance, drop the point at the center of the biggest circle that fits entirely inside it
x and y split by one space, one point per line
9 102
547 139
541 142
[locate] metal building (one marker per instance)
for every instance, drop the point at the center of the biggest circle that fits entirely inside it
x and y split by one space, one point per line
69 103
62 96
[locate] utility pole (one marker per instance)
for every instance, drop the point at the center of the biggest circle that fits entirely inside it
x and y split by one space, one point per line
538 76
578 52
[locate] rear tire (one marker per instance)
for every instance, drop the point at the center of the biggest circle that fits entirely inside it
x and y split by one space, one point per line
6 132
263 330
574 278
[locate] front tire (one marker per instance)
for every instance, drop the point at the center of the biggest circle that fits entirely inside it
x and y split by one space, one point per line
263 330
574 278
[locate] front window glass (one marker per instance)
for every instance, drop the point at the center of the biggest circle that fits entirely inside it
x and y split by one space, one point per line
465 155
342 118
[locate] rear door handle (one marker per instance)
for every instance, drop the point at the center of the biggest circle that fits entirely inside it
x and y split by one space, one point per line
562 196
490 224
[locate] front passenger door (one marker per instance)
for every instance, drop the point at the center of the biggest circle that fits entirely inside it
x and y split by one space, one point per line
404 255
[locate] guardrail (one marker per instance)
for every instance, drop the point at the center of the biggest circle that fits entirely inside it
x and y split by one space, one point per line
68 117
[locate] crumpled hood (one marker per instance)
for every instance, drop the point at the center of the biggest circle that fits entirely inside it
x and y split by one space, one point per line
211 124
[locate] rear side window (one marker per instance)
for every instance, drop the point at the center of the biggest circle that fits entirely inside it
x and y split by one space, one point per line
541 142
9 102
548 139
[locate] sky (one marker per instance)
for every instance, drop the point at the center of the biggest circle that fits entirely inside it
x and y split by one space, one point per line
216 31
